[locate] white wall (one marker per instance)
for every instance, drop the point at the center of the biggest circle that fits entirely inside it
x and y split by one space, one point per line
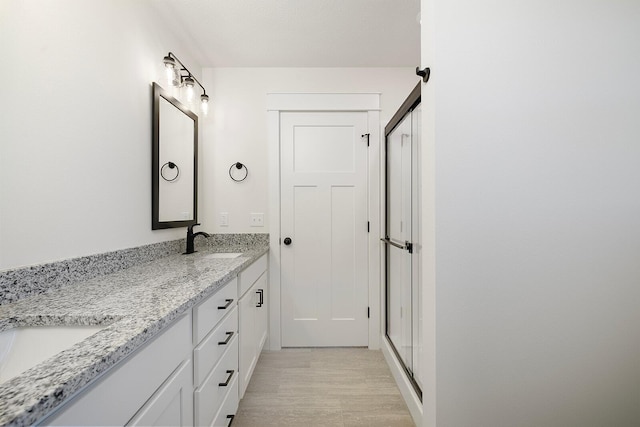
236 131
75 127
534 111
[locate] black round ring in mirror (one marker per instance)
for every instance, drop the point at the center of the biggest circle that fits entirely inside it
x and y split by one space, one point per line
167 171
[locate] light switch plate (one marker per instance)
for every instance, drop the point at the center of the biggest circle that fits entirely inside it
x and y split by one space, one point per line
224 219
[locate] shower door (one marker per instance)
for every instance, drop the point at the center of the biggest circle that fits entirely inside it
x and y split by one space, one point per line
402 237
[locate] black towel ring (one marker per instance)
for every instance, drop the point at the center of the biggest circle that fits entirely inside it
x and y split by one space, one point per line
239 166
171 165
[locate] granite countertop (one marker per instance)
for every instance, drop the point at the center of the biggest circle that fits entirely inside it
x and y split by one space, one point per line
135 303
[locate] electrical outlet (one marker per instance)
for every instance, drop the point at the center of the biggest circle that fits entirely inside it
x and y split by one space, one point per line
256 220
224 219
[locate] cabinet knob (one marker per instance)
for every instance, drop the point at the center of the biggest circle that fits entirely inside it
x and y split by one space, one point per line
287 241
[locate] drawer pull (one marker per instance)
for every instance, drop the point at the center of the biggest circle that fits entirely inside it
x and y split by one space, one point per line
261 301
224 307
226 383
225 342
230 420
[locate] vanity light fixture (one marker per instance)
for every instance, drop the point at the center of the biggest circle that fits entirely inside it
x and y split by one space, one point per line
183 77
204 103
189 83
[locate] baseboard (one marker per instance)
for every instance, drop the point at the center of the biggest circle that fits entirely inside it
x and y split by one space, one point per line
406 388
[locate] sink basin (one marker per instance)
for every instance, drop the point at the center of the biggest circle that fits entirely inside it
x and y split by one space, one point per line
224 255
24 347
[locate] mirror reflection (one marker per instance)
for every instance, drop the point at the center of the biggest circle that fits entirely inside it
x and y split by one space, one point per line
174 174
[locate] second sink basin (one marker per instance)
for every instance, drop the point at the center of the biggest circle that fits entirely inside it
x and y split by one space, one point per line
224 255
24 347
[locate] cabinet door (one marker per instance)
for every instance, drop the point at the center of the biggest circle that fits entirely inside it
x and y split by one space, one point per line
172 403
247 336
262 313
120 394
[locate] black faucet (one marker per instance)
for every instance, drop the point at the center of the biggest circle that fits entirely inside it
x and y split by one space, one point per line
191 237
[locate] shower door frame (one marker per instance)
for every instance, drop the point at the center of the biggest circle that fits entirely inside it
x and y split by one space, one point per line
407 107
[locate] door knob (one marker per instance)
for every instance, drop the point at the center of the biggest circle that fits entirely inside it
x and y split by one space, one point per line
287 241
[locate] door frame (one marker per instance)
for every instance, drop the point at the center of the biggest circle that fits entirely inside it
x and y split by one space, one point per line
369 103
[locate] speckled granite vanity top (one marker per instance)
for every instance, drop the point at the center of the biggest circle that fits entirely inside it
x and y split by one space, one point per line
135 303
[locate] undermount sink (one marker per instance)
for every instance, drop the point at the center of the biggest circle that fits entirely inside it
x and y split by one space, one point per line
24 347
222 255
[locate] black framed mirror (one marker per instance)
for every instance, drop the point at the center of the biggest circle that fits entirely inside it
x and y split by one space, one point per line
174 170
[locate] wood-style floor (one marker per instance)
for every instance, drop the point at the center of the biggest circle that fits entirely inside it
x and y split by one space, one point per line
337 387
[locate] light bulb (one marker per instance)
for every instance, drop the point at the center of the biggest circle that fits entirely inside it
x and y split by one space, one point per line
204 104
189 83
170 79
170 67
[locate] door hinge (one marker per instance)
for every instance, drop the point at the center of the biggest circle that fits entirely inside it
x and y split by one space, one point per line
367 135
368 312
368 227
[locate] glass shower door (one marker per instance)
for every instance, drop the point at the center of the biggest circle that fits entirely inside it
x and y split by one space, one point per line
398 236
402 238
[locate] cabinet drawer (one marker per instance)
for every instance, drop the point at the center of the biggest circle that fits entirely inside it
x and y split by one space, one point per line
207 354
229 407
211 311
248 276
210 395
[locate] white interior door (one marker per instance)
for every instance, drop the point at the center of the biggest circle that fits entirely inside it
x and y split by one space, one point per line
324 286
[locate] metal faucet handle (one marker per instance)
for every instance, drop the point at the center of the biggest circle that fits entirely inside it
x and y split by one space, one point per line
190 227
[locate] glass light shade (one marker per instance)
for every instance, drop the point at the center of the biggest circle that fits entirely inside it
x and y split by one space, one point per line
204 104
169 62
189 83
170 74
170 70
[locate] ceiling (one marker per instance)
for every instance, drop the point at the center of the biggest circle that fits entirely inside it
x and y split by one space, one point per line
296 33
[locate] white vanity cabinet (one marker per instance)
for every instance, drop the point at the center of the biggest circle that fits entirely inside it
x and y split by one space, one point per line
215 356
253 313
151 387
192 373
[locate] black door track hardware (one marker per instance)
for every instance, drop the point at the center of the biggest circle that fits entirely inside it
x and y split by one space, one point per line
425 73
407 245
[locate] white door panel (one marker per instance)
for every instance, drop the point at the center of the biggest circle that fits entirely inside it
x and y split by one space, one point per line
324 212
